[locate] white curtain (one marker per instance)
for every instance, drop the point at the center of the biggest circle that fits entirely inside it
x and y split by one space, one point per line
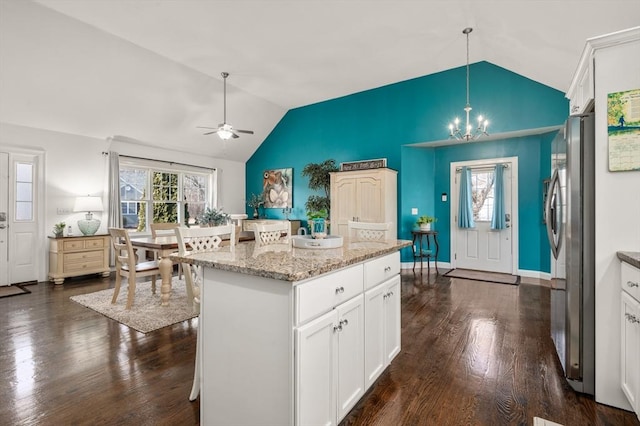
115 213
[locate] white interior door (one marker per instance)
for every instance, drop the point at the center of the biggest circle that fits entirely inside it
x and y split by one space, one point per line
481 248
20 188
4 232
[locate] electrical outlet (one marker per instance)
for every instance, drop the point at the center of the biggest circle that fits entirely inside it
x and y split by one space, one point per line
62 210
414 211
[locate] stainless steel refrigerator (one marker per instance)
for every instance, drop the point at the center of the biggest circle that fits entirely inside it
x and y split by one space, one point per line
570 221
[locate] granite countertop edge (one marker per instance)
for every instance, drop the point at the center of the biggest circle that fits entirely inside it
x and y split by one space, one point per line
630 257
294 269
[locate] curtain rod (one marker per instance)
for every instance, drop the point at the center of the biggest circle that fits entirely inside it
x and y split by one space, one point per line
486 166
161 161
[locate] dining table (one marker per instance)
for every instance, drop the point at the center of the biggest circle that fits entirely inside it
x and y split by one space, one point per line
163 246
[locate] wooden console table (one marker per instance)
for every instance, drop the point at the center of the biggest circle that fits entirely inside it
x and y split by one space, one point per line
419 252
78 255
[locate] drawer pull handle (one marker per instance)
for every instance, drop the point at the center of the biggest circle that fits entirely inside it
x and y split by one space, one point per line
632 318
339 290
631 284
343 322
387 269
337 328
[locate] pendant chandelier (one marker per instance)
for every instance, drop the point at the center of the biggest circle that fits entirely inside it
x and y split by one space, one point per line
455 132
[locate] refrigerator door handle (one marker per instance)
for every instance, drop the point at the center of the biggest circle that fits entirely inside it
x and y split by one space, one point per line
554 185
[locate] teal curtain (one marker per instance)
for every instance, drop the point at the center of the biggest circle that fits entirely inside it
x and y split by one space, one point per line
465 207
498 219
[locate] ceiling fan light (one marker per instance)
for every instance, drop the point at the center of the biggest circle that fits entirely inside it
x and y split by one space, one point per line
224 134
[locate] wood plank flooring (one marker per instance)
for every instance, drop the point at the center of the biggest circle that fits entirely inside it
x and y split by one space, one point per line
473 353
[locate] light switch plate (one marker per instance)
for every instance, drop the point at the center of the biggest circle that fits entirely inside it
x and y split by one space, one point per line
414 211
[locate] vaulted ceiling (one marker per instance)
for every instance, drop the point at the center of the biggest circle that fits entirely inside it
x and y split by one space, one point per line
287 54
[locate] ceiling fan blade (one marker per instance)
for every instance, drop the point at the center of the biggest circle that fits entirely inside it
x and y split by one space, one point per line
203 127
210 133
244 131
235 136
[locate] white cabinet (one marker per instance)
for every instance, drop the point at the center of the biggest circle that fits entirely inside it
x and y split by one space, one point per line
382 327
330 364
581 90
363 196
630 334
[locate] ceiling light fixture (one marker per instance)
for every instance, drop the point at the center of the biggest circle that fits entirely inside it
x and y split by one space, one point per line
454 129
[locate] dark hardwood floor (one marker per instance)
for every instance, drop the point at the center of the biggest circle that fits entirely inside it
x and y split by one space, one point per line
473 353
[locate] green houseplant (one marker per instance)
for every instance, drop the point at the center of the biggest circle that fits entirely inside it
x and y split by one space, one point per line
255 201
319 179
58 229
213 217
424 222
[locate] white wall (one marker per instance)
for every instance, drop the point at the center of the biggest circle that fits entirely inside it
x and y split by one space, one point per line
75 165
617 69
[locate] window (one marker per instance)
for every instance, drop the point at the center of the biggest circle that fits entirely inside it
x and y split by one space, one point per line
24 192
151 194
482 194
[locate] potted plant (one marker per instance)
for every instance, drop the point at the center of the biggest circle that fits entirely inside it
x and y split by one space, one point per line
424 222
319 179
318 223
213 217
255 201
58 229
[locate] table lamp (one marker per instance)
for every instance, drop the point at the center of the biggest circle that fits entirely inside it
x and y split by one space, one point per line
88 225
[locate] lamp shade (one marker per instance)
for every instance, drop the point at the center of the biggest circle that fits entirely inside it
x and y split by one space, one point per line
88 204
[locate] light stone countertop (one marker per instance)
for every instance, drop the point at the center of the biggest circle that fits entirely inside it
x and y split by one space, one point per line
286 263
631 257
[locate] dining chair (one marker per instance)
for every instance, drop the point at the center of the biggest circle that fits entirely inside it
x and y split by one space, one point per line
200 240
127 265
368 231
272 232
162 229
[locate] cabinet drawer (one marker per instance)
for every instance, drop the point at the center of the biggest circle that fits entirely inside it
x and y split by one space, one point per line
324 293
381 269
630 280
73 245
87 265
83 256
94 243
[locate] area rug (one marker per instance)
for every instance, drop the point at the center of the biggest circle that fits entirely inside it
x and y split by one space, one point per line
146 314
493 277
12 290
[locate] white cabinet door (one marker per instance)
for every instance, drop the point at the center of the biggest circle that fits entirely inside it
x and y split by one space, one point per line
630 349
316 369
374 353
350 347
382 328
392 319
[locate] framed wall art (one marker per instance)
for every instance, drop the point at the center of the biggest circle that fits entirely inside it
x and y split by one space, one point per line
277 188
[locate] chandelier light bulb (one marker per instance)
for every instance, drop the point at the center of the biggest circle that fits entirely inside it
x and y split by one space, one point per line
454 129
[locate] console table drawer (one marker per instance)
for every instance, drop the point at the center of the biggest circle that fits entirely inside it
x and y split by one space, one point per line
83 266
83 256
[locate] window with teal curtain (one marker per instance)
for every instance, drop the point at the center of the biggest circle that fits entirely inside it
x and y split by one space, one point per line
465 206
498 219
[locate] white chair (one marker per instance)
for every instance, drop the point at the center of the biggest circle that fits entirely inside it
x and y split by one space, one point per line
165 230
368 231
200 240
273 232
128 266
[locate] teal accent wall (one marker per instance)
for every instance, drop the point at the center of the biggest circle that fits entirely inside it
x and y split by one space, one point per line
384 122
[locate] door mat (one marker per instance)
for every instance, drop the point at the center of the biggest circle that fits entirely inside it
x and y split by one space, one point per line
13 290
493 277
146 314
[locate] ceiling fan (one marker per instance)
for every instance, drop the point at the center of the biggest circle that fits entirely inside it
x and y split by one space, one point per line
225 130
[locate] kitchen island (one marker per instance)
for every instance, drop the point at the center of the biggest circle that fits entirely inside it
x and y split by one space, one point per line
295 336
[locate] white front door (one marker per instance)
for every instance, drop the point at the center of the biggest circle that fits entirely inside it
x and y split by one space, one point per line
481 248
4 231
20 246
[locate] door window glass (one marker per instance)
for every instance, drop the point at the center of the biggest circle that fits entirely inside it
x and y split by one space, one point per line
482 194
24 192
